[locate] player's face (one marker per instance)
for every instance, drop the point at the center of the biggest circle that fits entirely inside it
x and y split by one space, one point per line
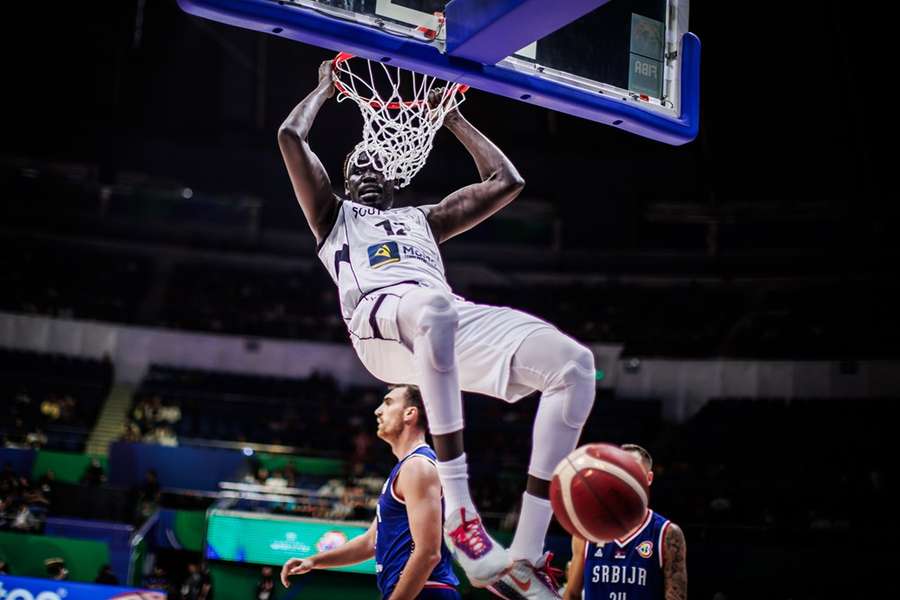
389 415
366 184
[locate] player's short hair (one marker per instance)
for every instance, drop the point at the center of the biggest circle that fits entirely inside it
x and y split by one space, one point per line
413 397
645 456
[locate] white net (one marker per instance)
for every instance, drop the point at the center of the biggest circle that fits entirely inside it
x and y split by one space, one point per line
402 111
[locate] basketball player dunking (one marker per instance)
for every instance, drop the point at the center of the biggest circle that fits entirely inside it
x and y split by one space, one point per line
405 537
647 564
407 326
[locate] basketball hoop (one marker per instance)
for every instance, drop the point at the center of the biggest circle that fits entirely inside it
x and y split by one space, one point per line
399 122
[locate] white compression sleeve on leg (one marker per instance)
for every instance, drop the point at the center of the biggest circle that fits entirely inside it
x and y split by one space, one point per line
563 370
428 325
562 412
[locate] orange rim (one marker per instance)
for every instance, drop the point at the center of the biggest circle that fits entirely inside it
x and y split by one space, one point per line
459 88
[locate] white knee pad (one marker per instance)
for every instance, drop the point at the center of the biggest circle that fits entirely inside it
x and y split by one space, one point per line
578 378
436 326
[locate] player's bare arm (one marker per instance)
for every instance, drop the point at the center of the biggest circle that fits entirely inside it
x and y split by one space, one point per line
418 484
308 177
360 548
467 207
575 575
675 564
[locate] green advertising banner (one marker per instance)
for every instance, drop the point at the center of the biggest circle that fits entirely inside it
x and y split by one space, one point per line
271 539
26 553
308 465
67 466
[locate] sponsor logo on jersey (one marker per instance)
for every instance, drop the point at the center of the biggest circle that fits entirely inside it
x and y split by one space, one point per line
383 253
408 251
620 554
645 549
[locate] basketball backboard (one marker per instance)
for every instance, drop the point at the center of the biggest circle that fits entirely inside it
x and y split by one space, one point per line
631 64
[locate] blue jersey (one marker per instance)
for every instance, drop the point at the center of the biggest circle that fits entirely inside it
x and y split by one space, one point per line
393 540
627 569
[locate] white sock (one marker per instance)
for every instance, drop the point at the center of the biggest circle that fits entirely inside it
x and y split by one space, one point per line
534 520
454 476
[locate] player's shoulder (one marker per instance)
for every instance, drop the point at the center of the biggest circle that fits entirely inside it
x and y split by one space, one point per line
329 225
419 466
658 518
672 529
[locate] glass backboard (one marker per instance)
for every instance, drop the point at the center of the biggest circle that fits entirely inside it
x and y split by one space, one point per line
628 63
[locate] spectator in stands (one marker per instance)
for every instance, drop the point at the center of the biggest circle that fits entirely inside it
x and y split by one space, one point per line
93 474
7 474
51 408
276 480
198 585
27 506
147 496
150 487
37 439
265 589
56 569
4 567
158 580
16 437
290 474
132 432
106 576
46 483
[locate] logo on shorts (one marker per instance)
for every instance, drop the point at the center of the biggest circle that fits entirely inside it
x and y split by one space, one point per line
382 254
645 549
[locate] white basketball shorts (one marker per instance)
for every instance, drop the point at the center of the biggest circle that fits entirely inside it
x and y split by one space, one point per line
486 340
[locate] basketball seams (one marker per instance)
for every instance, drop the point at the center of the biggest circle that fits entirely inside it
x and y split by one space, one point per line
616 471
566 480
575 472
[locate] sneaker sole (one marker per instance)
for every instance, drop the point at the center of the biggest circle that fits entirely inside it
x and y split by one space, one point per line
487 583
494 589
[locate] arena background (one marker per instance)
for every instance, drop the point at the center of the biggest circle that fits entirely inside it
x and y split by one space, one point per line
161 309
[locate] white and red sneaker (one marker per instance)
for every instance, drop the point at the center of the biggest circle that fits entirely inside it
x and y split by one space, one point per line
527 581
484 560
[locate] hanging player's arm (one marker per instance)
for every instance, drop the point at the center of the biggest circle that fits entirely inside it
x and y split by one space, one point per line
674 563
357 550
575 576
467 207
419 486
309 178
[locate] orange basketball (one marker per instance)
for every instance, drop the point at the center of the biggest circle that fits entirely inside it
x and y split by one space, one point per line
599 492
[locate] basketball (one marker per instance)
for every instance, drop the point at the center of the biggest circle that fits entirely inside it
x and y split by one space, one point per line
599 492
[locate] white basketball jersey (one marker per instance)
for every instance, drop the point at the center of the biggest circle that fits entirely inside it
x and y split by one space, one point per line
369 249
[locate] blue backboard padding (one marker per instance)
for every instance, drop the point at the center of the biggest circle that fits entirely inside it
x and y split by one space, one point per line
489 32
339 35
